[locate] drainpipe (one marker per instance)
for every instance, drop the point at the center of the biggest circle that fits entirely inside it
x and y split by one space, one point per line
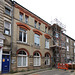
12 33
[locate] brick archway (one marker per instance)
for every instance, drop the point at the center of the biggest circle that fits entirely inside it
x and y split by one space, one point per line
22 49
38 52
49 54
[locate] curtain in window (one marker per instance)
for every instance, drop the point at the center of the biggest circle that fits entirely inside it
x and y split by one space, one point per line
37 39
24 61
19 61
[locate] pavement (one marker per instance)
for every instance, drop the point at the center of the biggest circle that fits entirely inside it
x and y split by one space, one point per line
46 71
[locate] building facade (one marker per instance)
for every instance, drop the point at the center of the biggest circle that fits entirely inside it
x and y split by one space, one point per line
29 42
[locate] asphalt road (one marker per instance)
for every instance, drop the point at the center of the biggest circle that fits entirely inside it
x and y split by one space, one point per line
53 72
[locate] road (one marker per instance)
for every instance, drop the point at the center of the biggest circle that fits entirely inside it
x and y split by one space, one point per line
53 72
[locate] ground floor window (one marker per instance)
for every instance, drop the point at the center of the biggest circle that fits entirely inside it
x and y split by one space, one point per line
37 59
22 59
47 59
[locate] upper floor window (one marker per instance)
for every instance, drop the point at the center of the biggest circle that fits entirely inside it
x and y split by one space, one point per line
67 48
26 19
46 43
46 29
37 39
67 40
23 35
74 43
7 11
39 25
7 28
74 50
21 16
57 35
35 24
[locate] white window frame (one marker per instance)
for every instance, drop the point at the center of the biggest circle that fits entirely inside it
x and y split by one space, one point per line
8 9
35 24
26 19
36 36
67 40
67 48
74 50
47 60
36 57
21 16
46 42
19 55
23 35
7 28
45 29
74 43
57 35
39 25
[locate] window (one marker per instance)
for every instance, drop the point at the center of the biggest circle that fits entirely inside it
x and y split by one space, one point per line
47 59
74 43
21 16
46 43
7 28
57 35
46 29
67 40
23 35
74 50
7 11
67 48
37 40
37 59
26 19
22 59
35 24
39 26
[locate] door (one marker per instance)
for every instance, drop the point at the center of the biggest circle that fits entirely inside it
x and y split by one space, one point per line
5 63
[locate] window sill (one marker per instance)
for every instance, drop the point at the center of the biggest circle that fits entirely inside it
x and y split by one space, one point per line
47 48
38 47
7 15
37 65
20 42
7 35
22 66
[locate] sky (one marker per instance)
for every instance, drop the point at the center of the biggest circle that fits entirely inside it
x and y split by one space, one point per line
63 10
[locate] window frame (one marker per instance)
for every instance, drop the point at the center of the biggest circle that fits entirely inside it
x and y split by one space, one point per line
45 29
39 26
35 58
46 42
20 16
47 59
8 8
36 36
23 31
7 28
67 48
26 19
21 55
35 24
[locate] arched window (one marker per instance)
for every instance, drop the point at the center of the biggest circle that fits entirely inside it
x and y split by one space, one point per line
37 59
47 59
22 59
